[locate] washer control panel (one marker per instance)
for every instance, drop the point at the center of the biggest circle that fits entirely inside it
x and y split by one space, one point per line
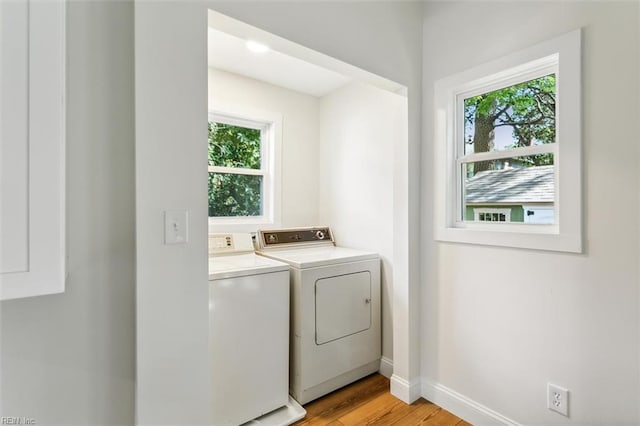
296 237
229 244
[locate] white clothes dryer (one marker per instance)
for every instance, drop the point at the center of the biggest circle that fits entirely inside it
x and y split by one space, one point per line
335 309
248 335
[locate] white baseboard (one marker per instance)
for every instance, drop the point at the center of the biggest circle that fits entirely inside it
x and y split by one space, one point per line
386 367
404 390
463 407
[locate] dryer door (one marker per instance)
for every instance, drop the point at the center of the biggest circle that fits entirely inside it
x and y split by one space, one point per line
343 306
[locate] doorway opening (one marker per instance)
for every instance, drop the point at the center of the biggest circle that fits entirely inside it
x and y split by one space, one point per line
323 135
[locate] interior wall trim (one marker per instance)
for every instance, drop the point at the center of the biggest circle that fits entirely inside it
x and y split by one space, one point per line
386 367
463 407
406 391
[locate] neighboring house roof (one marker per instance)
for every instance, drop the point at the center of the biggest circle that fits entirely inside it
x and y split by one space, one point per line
512 185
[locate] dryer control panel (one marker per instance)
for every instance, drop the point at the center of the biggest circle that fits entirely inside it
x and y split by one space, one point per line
313 236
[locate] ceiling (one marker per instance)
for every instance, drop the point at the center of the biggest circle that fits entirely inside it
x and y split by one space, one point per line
229 53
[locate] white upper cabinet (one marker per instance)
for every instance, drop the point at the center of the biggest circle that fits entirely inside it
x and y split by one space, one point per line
32 154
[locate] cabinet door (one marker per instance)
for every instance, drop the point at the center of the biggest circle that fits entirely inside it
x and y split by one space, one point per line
14 130
32 46
343 306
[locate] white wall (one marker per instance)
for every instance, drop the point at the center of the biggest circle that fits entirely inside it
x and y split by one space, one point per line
299 185
172 365
498 323
68 359
359 126
383 38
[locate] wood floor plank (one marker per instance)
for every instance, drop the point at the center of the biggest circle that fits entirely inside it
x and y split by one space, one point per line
373 411
369 402
334 405
417 413
362 389
440 418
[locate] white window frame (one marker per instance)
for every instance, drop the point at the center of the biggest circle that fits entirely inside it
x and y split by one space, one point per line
560 56
478 210
270 126
531 71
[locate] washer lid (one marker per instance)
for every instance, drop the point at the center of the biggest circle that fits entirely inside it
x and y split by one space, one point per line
240 265
312 257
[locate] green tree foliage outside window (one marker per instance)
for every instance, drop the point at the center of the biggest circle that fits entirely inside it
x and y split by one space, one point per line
236 193
529 108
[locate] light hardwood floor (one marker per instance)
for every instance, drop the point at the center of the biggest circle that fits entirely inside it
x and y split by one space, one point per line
369 402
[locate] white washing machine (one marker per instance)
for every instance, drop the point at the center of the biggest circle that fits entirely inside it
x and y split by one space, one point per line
248 335
335 309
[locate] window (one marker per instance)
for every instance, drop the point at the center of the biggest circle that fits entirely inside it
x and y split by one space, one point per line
236 175
508 138
502 128
538 214
492 215
243 173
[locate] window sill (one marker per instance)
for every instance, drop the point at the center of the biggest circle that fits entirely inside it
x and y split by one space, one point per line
237 224
537 237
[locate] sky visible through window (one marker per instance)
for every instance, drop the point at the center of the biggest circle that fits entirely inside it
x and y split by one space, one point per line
503 138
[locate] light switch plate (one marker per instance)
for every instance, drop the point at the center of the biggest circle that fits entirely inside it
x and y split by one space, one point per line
176 226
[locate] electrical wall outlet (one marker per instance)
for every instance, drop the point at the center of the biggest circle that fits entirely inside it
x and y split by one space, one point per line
558 399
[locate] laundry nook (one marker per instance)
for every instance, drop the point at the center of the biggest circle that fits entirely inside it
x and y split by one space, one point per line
284 154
